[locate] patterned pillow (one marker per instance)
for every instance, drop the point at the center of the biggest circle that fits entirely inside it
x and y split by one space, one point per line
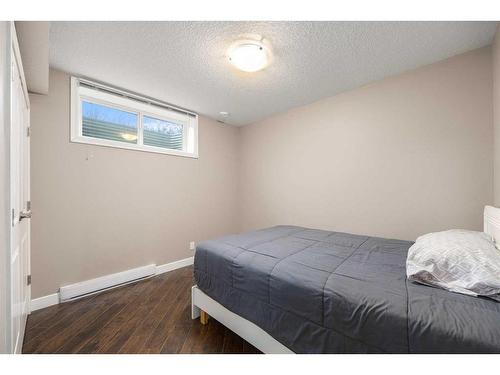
457 260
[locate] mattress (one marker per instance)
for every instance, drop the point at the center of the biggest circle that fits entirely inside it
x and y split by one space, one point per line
317 291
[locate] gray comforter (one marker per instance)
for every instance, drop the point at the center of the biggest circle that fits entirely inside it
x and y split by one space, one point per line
327 292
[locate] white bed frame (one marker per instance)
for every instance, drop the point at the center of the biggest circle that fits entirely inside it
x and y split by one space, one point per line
201 303
244 328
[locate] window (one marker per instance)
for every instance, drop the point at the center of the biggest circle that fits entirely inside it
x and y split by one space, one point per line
110 117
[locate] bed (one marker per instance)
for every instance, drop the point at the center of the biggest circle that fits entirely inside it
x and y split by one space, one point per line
289 289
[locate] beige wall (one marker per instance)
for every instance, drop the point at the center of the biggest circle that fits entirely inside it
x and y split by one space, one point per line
397 158
99 210
496 113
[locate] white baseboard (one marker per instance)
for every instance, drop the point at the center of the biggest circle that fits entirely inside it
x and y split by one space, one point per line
54 299
45 301
174 265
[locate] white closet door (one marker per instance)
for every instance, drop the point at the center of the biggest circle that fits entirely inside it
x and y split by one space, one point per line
20 205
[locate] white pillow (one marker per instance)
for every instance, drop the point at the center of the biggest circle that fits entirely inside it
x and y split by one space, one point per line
457 260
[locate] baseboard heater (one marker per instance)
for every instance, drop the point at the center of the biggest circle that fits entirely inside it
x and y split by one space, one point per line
81 289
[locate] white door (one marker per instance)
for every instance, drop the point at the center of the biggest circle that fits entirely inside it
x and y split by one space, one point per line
20 205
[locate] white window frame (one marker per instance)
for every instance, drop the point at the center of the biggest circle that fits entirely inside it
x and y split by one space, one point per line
132 103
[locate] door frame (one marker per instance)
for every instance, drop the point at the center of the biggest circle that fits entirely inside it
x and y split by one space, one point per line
13 57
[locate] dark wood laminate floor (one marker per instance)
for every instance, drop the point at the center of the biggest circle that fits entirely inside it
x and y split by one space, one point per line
149 316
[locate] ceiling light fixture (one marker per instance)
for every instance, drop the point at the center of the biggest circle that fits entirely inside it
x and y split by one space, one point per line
249 56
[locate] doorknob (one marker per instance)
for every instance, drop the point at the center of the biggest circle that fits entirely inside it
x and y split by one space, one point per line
25 215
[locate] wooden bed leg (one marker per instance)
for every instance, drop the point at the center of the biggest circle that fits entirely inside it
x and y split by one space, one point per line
203 317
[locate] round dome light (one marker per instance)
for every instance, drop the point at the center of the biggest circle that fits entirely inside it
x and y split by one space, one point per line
249 56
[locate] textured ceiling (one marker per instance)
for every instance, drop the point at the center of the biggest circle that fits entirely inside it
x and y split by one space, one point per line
184 63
